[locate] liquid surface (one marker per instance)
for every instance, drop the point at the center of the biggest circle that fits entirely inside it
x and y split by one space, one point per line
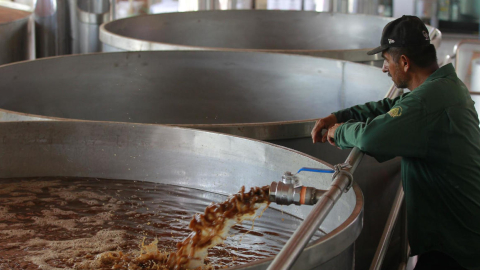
61 223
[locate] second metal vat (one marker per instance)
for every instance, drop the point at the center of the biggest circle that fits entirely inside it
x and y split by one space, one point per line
323 34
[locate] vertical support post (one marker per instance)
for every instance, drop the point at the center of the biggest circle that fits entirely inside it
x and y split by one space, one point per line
113 10
210 5
434 14
330 6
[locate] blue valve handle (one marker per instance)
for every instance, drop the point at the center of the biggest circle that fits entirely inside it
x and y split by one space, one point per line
305 169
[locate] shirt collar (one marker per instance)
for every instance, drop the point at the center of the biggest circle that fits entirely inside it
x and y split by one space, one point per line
441 72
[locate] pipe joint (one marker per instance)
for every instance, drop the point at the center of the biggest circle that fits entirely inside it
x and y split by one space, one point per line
286 194
344 170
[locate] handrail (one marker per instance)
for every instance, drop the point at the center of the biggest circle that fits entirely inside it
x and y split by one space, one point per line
300 238
454 57
435 37
388 231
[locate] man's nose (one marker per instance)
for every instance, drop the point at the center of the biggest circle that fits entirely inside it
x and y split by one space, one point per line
385 66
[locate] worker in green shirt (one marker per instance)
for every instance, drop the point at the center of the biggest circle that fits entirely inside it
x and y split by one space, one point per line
435 129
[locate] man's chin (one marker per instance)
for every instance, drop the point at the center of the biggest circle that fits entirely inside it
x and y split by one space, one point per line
399 85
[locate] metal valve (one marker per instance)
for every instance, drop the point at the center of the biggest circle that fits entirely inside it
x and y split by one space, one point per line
289 191
289 178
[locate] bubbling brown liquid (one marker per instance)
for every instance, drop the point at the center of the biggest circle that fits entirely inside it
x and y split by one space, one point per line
69 223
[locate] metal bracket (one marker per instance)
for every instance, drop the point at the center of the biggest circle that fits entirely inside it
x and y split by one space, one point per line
340 169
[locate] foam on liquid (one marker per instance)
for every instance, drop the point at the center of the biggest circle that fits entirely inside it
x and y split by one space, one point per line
74 223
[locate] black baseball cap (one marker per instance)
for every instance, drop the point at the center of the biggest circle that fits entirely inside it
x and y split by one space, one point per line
403 32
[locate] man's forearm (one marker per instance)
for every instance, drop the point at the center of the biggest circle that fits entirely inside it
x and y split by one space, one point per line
368 110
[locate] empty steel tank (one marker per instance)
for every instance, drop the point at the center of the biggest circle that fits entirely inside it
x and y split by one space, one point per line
16 33
187 157
258 95
332 35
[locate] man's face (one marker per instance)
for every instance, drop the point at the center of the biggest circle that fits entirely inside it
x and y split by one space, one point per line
394 70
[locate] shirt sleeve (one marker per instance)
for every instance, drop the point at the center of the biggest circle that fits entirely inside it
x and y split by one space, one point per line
367 110
402 131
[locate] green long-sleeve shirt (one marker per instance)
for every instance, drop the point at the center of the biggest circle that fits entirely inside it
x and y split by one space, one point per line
435 129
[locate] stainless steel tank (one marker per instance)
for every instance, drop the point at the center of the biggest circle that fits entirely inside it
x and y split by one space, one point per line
265 96
332 35
16 33
195 159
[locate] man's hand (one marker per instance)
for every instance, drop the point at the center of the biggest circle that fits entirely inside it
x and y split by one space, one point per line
323 123
331 134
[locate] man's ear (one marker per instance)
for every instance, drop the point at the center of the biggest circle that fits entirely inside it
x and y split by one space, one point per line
404 63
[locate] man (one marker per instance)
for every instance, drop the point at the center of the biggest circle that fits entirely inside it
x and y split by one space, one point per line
435 129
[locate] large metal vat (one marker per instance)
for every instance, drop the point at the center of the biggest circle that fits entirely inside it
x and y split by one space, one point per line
332 35
195 159
258 95
16 33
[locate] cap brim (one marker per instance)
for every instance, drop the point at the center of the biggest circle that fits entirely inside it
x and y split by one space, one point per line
379 49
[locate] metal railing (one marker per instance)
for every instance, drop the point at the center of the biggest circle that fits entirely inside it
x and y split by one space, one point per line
463 54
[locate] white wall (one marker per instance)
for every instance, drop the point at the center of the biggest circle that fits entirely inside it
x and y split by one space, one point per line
403 7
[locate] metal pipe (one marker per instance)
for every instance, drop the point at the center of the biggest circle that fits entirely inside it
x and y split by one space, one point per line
392 92
297 242
404 264
388 231
405 248
209 5
287 193
458 45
